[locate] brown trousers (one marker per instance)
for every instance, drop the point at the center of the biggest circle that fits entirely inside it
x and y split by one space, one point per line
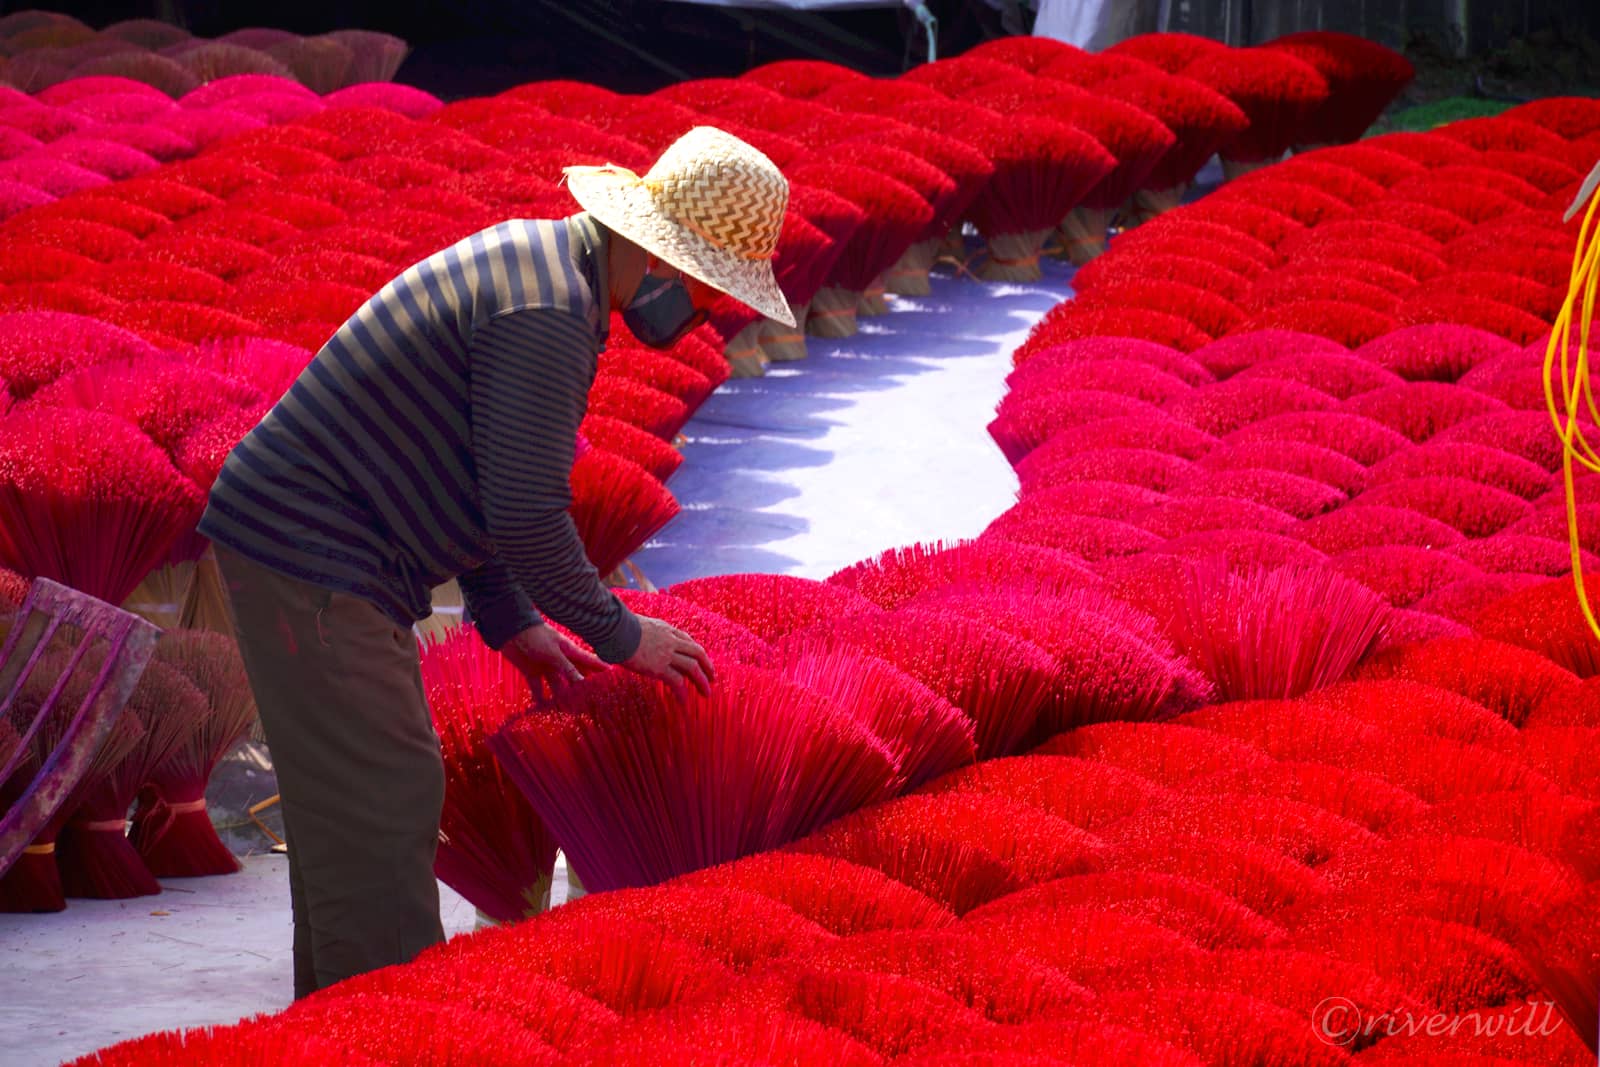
359 773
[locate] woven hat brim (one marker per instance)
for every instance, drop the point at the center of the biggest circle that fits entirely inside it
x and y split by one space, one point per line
627 208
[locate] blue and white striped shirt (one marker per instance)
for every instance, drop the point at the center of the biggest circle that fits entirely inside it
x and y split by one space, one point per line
432 438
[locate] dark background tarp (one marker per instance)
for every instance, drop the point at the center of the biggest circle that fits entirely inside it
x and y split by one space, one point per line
479 46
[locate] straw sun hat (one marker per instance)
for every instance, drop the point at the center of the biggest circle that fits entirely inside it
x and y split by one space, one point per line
712 206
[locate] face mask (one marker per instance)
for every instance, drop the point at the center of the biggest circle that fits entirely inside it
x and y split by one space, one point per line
661 311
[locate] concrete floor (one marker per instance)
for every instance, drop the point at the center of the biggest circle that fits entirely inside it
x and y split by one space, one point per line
872 442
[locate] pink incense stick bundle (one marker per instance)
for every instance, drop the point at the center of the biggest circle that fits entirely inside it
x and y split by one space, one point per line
493 849
159 395
37 347
638 789
172 829
772 605
720 636
927 735
1219 619
1001 682
1112 661
898 575
96 858
92 502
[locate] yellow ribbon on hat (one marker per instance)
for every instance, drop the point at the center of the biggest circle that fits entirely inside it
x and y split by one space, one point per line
654 186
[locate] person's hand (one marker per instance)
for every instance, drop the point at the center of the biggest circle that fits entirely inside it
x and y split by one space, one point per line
669 655
546 657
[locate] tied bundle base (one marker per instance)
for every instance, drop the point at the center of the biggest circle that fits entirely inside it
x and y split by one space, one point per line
909 275
874 300
98 862
33 884
833 313
1014 257
743 351
1084 232
1148 203
780 344
173 834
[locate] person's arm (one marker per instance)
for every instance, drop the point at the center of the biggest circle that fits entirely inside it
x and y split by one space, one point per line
498 606
531 372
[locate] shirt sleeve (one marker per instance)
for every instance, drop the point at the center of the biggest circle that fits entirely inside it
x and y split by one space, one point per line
531 372
499 608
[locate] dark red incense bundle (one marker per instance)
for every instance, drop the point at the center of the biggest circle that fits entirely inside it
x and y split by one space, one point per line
171 829
858 899
1200 118
1136 139
1066 323
954 873
729 1032
92 502
1043 169
493 849
927 735
1546 618
96 858
635 402
806 255
1277 92
657 370
632 443
802 79
33 884
222 256
617 506
1363 78
895 216
1085 792
555 1012
929 182
1170 52
639 788
247 1044
387 1029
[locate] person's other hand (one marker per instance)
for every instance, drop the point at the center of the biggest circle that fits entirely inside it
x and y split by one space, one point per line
545 656
669 655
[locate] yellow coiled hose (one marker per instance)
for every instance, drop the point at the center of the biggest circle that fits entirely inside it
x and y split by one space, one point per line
1577 394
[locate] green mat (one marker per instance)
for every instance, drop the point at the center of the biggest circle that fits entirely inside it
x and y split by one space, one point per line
1428 116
